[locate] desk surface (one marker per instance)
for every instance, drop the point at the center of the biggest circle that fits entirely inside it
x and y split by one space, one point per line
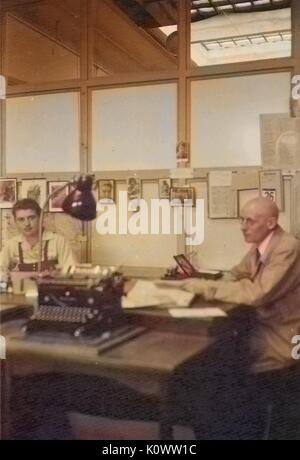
141 362
14 306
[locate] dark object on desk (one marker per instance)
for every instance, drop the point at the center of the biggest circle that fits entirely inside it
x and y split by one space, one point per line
189 271
82 308
174 274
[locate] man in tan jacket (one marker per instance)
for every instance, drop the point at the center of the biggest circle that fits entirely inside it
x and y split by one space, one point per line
268 278
221 390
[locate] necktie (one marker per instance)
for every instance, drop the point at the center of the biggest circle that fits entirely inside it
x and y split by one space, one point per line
257 265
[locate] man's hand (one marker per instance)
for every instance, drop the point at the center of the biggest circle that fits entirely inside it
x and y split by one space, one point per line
46 274
204 288
128 285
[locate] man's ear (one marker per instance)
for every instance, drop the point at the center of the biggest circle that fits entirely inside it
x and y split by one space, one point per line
272 223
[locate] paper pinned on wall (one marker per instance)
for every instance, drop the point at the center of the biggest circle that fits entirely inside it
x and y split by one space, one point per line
280 141
220 178
147 294
245 180
222 198
223 203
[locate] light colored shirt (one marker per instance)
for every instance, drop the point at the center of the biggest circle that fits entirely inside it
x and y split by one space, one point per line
264 245
58 248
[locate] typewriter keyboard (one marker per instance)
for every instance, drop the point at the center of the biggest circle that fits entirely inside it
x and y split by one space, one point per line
79 315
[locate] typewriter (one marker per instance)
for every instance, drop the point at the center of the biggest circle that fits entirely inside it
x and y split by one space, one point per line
84 304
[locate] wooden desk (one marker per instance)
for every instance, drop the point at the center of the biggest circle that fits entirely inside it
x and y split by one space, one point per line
145 363
13 306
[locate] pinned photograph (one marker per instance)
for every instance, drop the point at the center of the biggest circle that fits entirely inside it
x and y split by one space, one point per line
182 196
134 188
55 203
8 193
106 191
35 189
182 152
164 188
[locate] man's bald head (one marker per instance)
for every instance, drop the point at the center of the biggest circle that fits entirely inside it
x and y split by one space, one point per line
259 219
264 207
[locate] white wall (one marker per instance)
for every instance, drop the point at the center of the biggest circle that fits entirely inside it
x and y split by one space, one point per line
134 250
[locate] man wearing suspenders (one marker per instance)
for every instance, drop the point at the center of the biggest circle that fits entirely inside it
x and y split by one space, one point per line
21 252
41 403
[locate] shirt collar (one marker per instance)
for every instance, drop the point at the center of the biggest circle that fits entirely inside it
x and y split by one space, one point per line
47 235
262 248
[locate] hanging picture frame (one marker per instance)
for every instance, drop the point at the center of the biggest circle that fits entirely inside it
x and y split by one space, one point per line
55 203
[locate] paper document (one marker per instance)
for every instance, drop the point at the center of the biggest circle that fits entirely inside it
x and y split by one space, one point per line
220 178
212 312
208 272
280 141
147 294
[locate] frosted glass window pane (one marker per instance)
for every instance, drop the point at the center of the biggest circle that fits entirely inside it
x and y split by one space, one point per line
226 112
134 128
42 133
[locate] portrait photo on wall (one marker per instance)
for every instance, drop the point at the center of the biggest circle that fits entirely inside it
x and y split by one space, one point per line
182 152
134 188
8 193
106 191
180 196
164 186
55 203
35 189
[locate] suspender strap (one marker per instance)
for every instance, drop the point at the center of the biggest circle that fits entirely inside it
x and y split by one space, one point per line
46 250
21 258
21 255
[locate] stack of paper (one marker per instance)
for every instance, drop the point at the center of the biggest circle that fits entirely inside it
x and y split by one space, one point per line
210 312
147 294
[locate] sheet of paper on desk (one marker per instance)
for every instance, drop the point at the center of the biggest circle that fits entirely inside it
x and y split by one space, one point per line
211 312
147 294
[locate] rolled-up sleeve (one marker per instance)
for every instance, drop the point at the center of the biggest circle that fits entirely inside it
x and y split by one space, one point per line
5 259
